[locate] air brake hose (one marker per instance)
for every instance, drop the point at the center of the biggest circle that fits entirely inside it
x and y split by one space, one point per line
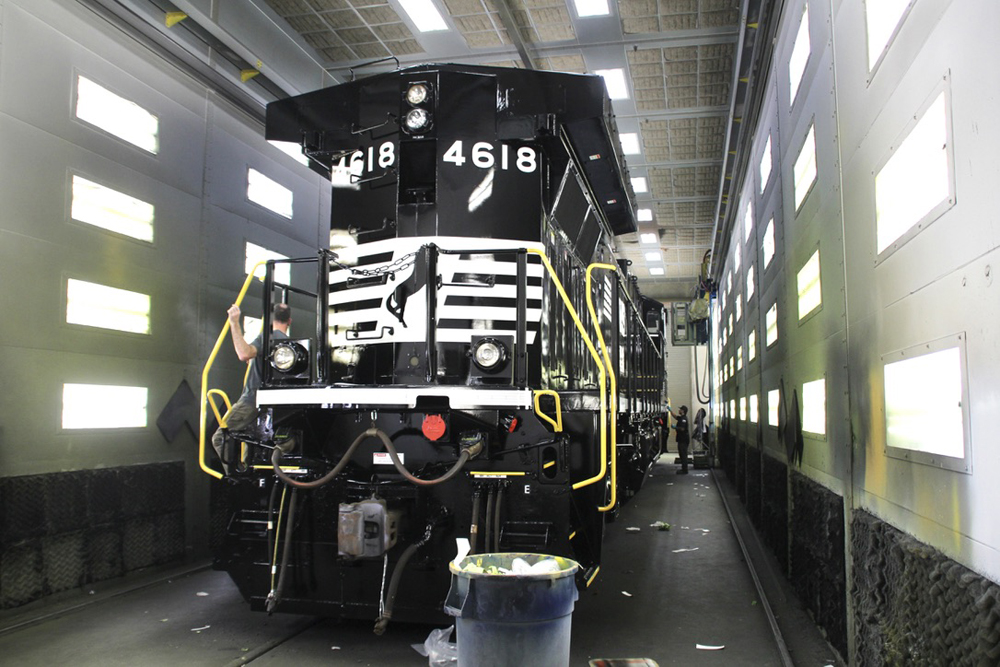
496 521
463 458
488 537
275 597
474 527
397 576
270 517
280 450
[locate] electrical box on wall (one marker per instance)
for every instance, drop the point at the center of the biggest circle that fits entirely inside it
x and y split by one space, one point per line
684 330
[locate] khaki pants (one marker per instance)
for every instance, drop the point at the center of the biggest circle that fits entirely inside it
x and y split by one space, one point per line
242 414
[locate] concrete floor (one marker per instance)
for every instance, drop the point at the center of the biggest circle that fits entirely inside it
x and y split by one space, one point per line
659 595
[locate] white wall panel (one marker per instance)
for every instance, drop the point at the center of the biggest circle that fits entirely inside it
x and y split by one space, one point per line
192 270
939 283
37 87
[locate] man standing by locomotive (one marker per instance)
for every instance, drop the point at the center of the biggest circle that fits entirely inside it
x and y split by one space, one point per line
683 436
244 411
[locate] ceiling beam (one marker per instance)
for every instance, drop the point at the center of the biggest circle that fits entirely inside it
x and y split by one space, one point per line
678 200
671 114
507 18
707 162
675 38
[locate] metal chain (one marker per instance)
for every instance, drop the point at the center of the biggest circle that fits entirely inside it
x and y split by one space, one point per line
404 262
400 264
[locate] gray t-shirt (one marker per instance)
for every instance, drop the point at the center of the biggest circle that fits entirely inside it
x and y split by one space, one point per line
257 365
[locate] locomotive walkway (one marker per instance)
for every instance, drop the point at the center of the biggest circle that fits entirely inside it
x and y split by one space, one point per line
664 595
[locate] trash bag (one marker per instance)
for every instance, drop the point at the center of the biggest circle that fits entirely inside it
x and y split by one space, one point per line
437 649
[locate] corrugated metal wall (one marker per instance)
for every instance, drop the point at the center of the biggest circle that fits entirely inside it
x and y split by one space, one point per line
192 270
938 284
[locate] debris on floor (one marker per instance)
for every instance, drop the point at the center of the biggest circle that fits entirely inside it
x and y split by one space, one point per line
202 594
704 647
632 529
680 551
198 630
623 662
626 594
437 649
660 525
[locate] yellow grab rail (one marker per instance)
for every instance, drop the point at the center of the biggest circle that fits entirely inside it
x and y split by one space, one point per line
557 422
600 366
225 399
203 417
614 386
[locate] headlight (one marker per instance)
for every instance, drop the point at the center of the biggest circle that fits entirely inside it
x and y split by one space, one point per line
416 94
289 361
489 354
284 357
417 119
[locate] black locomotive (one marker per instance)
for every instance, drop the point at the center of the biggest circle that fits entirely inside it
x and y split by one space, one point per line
481 367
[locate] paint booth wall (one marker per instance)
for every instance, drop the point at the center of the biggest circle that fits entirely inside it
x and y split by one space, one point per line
191 270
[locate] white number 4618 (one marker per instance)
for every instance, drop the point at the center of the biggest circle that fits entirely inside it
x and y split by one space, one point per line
482 155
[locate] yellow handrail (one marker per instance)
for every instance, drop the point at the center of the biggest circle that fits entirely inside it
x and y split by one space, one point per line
614 386
203 417
225 399
557 422
600 366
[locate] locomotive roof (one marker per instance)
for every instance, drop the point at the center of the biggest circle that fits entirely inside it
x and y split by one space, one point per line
531 104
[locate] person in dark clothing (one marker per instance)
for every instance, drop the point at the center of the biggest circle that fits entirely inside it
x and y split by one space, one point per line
244 411
683 435
700 427
664 420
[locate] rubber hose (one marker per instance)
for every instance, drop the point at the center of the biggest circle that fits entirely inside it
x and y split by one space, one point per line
372 432
286 553
490 503
474 527
459 464
270 519
496 521
390 594
278 453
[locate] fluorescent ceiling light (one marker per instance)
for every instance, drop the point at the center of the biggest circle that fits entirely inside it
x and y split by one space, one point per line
630 143
646 215
639 185
614 80
586 8
424 14
655 271
648 237
653 256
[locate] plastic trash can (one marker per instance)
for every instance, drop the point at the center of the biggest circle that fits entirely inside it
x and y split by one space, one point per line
512 619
